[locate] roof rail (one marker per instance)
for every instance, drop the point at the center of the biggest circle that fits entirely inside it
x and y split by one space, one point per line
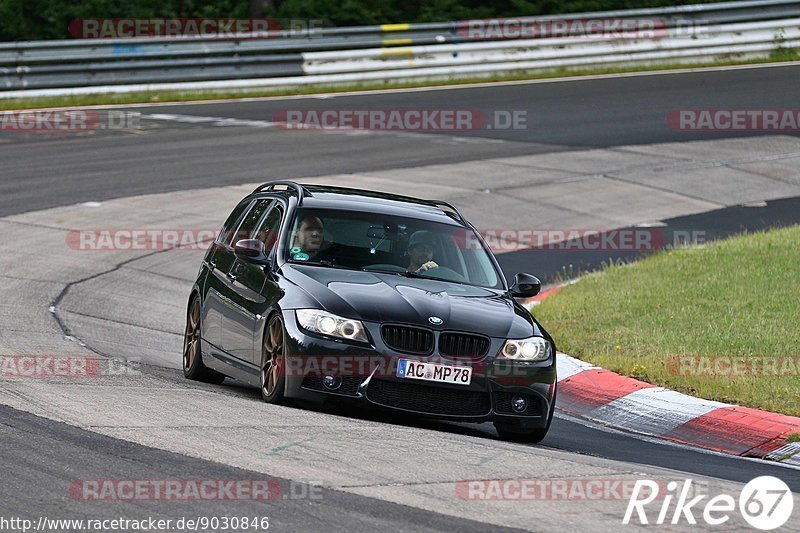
290 185
456 212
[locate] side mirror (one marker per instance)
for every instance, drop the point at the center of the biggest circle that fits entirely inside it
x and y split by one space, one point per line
525 286
251 251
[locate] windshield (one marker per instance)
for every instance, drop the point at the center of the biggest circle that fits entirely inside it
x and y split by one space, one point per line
377 242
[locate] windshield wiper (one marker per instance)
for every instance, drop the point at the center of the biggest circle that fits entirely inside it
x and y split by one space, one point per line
324 262
395 272
415 275
403 273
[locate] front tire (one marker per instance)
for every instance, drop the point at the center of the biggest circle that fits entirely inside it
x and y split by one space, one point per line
273 361
193 367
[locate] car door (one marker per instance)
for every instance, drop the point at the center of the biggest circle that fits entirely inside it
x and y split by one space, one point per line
244 283
218 262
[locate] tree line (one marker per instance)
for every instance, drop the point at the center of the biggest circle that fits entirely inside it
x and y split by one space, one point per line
50 19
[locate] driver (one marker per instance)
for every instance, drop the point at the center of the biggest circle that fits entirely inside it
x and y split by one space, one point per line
309 238
420 251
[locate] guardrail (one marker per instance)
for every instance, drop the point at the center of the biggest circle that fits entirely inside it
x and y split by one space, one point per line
397 51
562 52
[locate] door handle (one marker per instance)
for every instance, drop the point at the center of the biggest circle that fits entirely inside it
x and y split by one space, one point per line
212 265
235 270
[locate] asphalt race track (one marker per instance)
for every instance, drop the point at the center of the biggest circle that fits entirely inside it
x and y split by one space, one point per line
595 154
563 116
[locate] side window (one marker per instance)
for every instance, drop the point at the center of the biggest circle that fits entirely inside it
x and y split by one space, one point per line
226 233
269 228
250 221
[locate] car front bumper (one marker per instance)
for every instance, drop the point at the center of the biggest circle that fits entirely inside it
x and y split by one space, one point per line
367 376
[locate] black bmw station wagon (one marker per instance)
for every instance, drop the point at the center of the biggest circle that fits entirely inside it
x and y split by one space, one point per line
322 293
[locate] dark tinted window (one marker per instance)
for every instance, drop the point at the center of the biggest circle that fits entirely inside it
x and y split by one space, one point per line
250 221
226 233
391 244
269 228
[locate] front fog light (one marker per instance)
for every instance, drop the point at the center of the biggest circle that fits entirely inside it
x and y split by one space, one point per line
519 404
530 349
332 382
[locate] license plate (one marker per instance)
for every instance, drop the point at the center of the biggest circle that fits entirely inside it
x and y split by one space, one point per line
457 375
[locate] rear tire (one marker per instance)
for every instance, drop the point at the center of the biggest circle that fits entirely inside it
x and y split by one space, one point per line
273 361
193 367
515 433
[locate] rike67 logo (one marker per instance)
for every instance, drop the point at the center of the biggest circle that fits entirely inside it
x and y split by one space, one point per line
765 503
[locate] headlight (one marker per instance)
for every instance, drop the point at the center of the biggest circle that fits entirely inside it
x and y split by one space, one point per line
530 349
325 323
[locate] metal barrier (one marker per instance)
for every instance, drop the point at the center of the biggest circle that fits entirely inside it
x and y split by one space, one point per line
396 51
731 39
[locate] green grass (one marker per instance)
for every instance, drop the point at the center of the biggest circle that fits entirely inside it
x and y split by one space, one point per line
737 297
794 437
781 55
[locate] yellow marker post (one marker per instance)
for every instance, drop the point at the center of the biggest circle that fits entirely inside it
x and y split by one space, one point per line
396 42
394 27
397 52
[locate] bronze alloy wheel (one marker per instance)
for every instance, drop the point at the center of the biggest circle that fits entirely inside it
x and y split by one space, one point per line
193 367
191 338
273 361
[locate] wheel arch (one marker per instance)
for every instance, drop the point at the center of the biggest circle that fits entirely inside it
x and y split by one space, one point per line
271 313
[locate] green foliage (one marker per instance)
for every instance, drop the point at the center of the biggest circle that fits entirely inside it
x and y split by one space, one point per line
49 19
341 12
734 298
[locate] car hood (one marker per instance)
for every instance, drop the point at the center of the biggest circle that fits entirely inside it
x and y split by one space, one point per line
378 297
